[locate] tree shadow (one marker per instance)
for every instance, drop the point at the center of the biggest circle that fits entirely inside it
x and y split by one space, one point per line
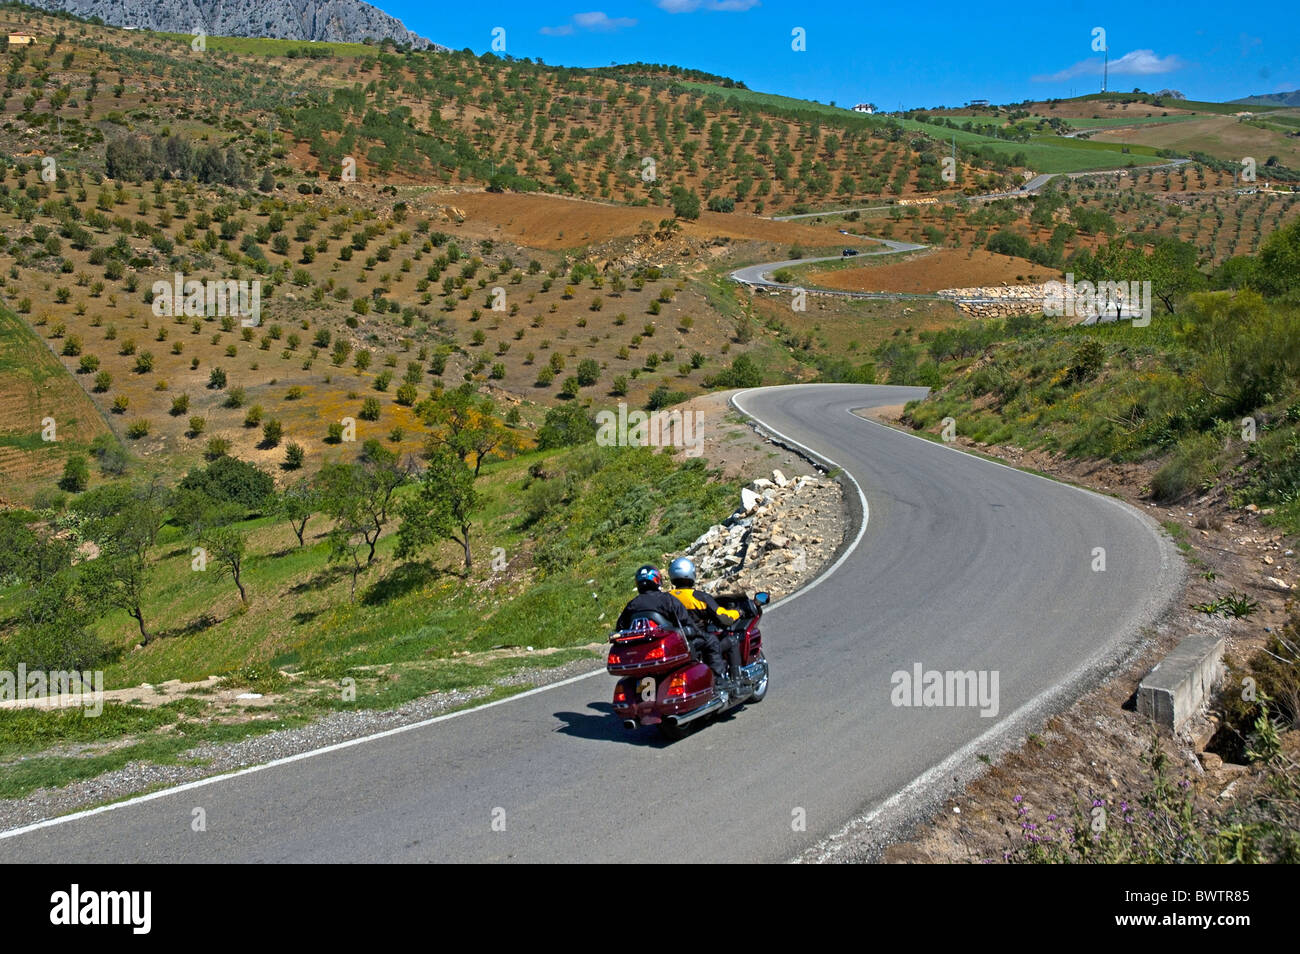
321 580
404 579
199 624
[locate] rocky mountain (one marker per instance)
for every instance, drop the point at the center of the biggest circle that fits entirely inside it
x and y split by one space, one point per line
332 20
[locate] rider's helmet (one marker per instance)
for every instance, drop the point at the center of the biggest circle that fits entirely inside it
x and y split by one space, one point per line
648 578
682 572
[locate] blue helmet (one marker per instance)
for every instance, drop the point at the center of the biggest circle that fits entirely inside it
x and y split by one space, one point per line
648 578
682 572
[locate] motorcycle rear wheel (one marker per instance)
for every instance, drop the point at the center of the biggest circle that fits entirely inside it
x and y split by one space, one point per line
761 690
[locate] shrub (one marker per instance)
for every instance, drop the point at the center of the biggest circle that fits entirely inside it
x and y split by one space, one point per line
661 397
233 481
76 474
564 426
293 456
137 429
272 431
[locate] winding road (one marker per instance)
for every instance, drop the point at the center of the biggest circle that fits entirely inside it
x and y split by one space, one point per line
954 563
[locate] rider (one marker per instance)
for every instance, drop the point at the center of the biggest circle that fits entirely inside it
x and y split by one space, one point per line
704 608
651 599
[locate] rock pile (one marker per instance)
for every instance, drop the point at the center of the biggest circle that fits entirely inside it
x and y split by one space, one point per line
781 535
997 301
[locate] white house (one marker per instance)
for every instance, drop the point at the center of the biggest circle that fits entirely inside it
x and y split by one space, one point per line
865 108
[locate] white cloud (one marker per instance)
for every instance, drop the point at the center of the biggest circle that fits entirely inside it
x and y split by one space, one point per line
690 6
595 22
598 21
1136 63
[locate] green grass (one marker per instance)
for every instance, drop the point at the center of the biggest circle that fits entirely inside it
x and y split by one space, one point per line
1044 153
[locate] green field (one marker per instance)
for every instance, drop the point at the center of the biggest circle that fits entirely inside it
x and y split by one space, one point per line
1044 153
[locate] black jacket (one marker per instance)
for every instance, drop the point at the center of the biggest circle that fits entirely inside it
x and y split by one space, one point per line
654 601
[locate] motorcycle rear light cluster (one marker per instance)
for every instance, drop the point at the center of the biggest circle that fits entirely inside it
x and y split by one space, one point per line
656 653
614 659
620 695
676 685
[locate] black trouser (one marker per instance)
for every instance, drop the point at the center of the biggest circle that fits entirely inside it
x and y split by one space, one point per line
711 651
730 647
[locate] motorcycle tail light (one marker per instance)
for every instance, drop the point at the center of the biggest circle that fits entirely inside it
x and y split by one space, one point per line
620 695
677 685
656 653
614 659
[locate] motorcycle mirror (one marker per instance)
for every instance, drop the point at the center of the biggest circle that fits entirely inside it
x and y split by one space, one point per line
761 599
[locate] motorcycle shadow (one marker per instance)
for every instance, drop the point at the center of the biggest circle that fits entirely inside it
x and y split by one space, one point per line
604 726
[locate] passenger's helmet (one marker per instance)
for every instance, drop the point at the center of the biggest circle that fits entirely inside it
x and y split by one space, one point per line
682 572
648 578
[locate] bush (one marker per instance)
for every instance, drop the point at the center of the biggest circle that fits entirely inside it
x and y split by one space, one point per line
1191 468
293 456
661 397
231 480
272 431
1008 242
588 372
137 429
565 426
743 373
76 475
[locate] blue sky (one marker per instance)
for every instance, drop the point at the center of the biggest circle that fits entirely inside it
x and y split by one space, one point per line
909 54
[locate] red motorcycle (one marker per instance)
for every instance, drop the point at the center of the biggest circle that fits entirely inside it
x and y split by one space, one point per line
662 680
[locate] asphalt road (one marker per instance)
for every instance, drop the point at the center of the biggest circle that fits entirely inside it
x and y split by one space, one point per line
962 565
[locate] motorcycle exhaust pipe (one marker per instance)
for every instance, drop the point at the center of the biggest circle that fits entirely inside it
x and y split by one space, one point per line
629 724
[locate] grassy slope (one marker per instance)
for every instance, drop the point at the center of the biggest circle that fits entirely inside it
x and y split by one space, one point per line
33 386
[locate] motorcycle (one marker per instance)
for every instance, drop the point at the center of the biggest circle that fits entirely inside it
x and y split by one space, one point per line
662 680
